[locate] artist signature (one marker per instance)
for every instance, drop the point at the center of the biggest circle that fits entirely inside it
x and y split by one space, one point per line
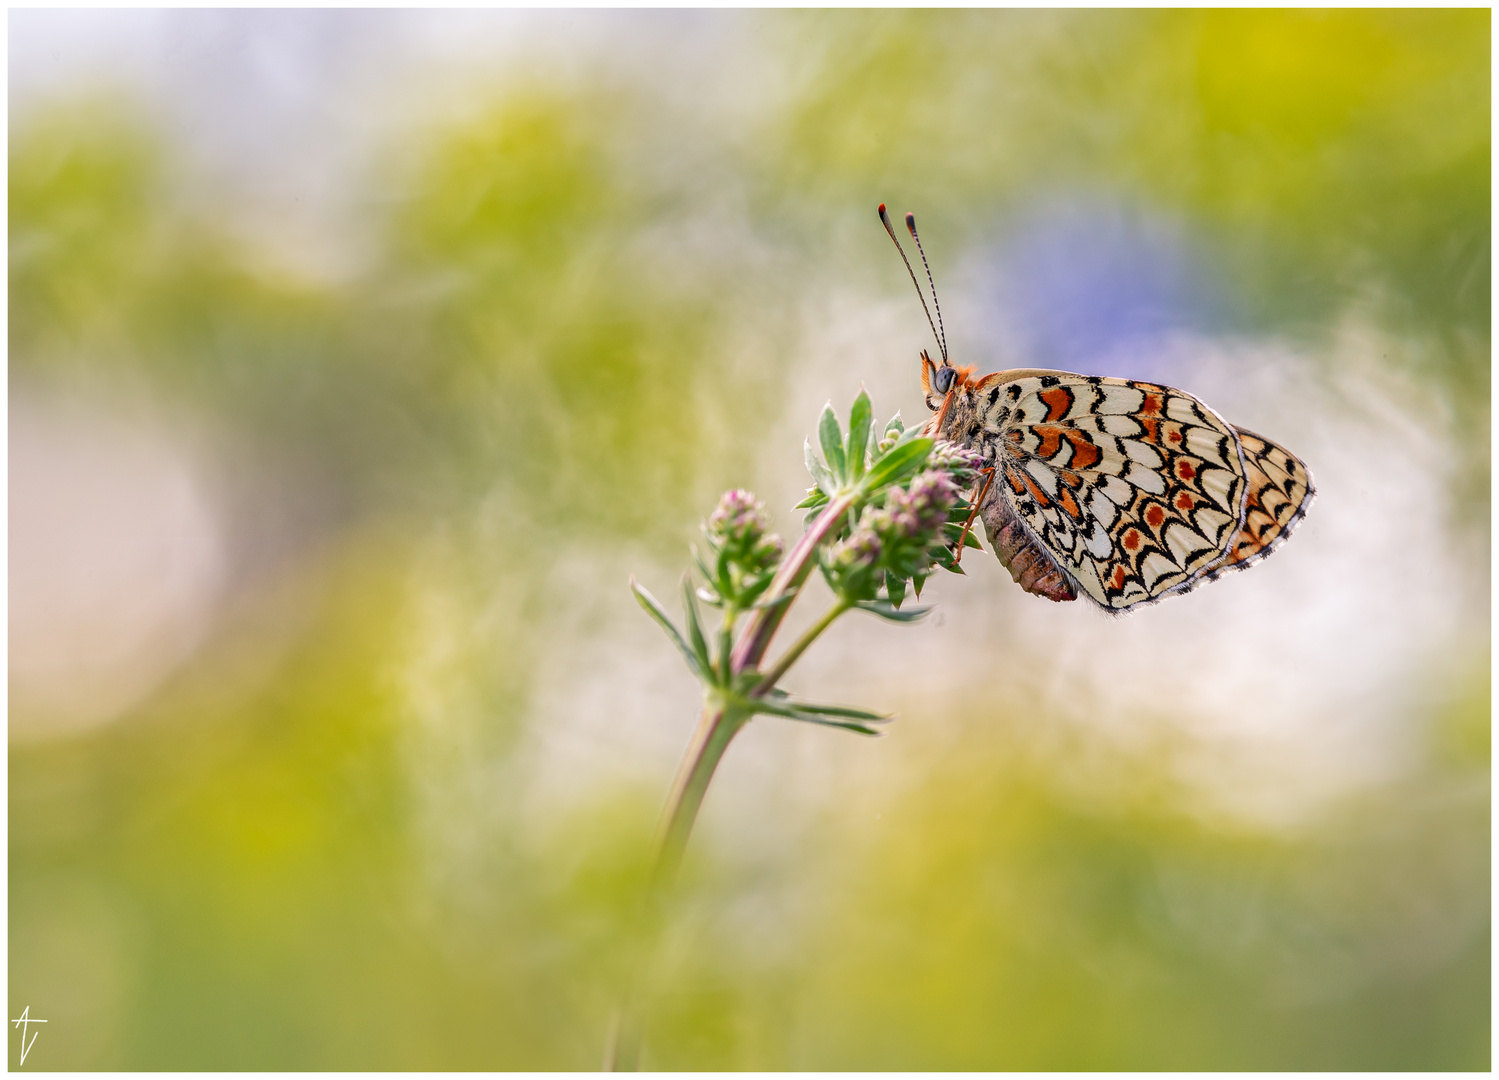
24 1022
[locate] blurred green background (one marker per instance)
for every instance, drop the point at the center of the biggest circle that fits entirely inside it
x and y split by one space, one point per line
357 358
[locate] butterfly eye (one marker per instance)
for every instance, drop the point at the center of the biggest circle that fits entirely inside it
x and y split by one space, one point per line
942 380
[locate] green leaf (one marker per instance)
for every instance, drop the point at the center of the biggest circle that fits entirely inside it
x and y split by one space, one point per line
954 530
654 609
815 496
702 567
885 610
917 581
775 708
895 427
831 437
945 558
694 627
896 588
897 463
860 422
843 711
826 483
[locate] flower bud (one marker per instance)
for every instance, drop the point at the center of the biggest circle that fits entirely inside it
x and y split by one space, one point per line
859 551
921 511
767 552
961 461
738 522
736 531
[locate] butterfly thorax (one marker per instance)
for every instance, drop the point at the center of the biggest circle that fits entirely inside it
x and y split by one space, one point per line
965 417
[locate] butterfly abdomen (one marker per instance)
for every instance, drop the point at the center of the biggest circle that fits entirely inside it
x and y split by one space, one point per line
1027 561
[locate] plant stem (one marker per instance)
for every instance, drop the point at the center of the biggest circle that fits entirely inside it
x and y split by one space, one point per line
794 653
715 730
793 571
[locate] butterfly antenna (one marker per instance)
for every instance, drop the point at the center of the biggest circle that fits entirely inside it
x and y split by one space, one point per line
885 218
941 330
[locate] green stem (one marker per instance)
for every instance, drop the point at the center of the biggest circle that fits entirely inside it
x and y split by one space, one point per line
715 730
726 641
794 653
794 570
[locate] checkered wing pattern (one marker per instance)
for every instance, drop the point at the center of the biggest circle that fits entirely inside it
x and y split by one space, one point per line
1279 494
1136 490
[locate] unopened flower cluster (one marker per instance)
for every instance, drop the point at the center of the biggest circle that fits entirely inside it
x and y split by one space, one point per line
894 539
745 554
959 462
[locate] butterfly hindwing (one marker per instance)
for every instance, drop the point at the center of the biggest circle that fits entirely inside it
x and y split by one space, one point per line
1136 490
1280 491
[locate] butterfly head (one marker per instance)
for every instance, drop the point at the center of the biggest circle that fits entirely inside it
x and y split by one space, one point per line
941 381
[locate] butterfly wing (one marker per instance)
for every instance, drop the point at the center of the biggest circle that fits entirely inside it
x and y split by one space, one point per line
1136 490
1280 493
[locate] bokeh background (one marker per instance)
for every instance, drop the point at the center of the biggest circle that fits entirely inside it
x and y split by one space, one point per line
357 359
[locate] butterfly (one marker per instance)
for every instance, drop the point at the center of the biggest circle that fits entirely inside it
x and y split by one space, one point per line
1118 490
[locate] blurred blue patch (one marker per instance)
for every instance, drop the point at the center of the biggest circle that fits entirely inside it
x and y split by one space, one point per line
1085 285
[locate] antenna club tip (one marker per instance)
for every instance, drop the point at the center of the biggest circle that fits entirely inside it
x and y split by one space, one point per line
882 209
910 220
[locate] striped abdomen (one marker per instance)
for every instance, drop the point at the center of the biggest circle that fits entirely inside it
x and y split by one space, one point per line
1028 563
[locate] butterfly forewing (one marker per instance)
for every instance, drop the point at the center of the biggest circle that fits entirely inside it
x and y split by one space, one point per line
1137 490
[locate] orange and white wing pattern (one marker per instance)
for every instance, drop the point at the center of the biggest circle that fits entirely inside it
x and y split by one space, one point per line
1280 493
1137 490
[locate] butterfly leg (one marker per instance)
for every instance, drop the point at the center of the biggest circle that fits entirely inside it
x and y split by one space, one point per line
973 510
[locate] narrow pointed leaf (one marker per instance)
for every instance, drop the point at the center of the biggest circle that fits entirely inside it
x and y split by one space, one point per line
860 422
896 588
815 496
654 609
954 531
899 462
775 708
887 611
947 560
826 483
695 628
895 427
844 711
702 567
831 437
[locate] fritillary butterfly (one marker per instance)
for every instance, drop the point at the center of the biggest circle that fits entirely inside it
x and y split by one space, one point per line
1115 489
